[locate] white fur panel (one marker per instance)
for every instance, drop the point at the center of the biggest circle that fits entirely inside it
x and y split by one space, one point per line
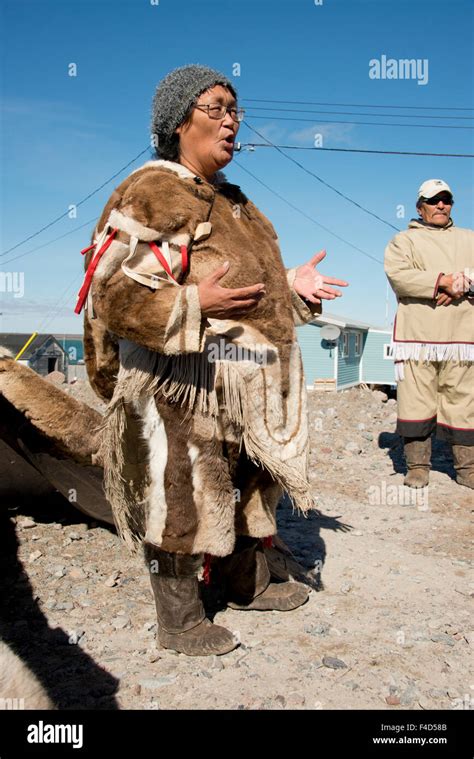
172 339
112 259
178 168
185 318
133 227
181 238
291 276
154 433
127 224
215 506
198 486
194 332
182 171
193 452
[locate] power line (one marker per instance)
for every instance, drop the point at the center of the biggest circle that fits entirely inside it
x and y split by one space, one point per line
50 242
358 150
357 113
287 147
54 221
264 145
361 105
307 216
326 184
54 310
363 123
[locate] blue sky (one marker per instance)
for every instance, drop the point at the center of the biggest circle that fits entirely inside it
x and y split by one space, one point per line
63 136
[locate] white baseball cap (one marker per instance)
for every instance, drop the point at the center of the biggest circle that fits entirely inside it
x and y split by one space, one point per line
432 187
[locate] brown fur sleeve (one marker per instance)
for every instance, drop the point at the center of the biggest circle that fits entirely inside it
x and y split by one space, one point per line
150 205
167 320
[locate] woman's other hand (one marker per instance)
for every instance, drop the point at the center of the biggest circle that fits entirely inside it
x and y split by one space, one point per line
312 285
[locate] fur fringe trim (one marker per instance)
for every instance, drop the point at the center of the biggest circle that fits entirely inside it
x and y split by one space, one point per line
190 380
263 449
126 495
111 455
432 351
399 371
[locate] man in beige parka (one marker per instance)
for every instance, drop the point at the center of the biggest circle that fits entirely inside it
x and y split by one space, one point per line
430 267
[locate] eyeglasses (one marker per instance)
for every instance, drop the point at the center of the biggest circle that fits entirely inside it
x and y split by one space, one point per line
216 111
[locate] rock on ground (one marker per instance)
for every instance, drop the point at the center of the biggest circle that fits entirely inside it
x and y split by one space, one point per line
390 627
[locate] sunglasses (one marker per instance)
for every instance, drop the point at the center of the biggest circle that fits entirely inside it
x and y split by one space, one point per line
446 199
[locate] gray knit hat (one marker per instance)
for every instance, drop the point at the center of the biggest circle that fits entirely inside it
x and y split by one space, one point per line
173 99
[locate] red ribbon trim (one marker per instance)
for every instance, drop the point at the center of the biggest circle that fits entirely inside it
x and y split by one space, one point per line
206 575
83 292
184 259
161 259
86 250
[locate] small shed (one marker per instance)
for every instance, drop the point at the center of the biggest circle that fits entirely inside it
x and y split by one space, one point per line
361 354
44 354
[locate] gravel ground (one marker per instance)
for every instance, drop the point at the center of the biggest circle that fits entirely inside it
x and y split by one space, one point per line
390 628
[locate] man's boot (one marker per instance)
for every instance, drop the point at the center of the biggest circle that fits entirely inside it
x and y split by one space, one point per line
418 457
182 623
464 464
247 579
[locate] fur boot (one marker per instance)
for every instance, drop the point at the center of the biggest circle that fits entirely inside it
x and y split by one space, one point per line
182 623
247 579
418 456
464 464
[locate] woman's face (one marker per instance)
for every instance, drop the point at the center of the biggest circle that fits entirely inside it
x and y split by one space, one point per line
207 145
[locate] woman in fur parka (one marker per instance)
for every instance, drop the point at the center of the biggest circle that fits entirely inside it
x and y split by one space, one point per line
190 334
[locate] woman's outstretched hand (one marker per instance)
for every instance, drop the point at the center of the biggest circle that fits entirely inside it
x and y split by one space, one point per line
312 285
225 302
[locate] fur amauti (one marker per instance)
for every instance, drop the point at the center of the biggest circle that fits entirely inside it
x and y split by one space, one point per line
168 396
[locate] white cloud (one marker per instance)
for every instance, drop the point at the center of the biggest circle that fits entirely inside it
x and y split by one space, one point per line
26 315
9 307
50 112
333 134
272 132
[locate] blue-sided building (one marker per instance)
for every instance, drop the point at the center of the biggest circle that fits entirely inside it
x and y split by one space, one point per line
361 354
